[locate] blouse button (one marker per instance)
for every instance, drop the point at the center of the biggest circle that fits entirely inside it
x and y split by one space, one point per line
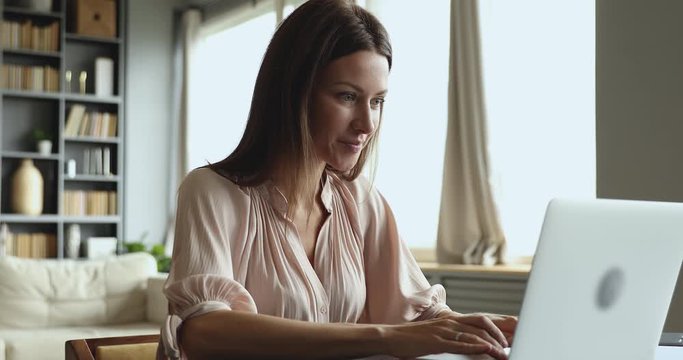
323 310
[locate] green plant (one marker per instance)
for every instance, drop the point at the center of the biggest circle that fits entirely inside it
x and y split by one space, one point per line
40 134
132 247
157 250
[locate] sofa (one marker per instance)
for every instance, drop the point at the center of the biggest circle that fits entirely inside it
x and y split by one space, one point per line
44 303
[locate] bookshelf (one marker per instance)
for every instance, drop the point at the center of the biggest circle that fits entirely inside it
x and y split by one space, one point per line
51 46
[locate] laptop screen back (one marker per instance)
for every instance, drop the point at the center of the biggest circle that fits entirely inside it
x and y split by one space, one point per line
673 328
601 281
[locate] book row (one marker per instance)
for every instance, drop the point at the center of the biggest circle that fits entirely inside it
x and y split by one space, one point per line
30 245
97 124
89 203
26 35
35 78
96 161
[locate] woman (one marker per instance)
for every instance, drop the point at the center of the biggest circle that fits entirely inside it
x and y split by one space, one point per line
282 250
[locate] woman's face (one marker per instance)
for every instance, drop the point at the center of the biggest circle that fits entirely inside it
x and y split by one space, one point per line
346 105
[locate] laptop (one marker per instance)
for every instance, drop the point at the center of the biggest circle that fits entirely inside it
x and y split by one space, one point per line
601 282
673 327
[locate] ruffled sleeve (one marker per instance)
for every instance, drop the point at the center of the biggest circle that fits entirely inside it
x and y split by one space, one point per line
397 290
210 213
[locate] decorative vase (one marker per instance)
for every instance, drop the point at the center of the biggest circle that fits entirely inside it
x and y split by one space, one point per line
4 240
73 241
27 189
44 147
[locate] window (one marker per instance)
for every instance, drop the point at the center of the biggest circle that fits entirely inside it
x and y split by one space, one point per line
538 62
226 64
413 134
223 79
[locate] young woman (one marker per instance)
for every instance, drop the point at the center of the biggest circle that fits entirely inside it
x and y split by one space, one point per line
282 249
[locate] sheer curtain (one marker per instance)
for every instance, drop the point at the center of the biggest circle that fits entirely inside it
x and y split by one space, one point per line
469 229
186 42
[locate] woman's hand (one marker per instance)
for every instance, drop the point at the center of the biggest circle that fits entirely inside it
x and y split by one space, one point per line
496 329
450 333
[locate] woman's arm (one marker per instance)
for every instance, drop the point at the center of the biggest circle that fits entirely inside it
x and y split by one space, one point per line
247 335
238 334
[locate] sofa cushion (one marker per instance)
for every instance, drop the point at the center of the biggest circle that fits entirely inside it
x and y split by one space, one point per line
49 343
48 293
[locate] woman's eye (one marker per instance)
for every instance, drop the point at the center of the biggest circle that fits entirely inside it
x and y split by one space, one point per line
377 102
349 97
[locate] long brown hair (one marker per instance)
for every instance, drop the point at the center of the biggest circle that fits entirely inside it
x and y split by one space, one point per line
278 130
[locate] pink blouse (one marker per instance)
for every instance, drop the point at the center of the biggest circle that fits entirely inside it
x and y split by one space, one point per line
236 249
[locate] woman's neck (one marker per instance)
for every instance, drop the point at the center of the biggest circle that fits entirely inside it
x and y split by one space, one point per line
283 180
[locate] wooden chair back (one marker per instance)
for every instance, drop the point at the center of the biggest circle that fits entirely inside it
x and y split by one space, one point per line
132 347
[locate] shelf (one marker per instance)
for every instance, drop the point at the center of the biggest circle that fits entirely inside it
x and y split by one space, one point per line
31 52
30 94
92 39
113 219
28 155
93 178
93 139
91 98
11 10
30 219
24 110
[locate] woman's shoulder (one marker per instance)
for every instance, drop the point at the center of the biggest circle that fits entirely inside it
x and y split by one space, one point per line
204 180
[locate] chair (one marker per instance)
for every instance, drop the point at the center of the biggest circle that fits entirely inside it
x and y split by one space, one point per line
120 348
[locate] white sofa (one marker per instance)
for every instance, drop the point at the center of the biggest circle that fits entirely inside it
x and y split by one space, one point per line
44 303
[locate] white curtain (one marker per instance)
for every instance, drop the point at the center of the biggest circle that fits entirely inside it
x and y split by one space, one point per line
469 231
186 41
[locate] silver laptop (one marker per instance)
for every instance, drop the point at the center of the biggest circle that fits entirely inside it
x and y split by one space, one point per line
601 283
602 280
673 327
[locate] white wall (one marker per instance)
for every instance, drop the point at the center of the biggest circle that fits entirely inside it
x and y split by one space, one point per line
148 112
639 87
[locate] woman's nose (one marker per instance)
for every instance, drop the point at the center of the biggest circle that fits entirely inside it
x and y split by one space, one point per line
364 120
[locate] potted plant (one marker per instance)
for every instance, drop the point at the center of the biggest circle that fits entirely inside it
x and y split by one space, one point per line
43 141
158 251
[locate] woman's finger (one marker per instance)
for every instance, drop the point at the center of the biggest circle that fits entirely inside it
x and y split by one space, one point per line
466 348
476 334
486 324
510 339
505 323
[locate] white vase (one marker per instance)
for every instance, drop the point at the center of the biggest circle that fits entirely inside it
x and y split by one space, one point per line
27 189
44 147
73 241
4 239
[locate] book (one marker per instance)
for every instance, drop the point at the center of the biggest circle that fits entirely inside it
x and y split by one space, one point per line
96 156
106 161
86 162
83 128
73 121
104 127
111 203
112 125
